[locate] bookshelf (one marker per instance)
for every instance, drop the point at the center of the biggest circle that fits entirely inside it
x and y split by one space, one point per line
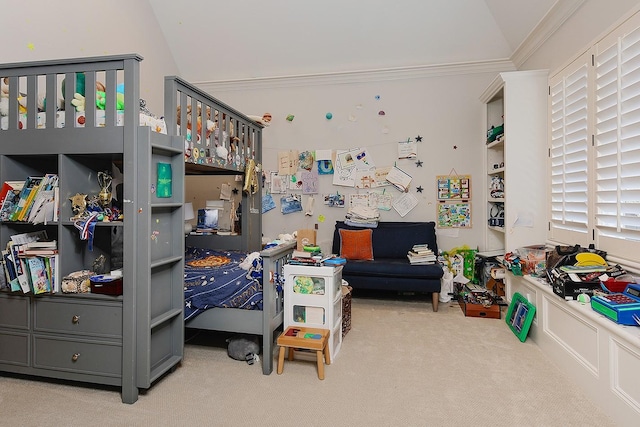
127 340
515 154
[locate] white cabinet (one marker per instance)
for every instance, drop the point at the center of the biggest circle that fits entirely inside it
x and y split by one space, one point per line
313 298
598 355
515 164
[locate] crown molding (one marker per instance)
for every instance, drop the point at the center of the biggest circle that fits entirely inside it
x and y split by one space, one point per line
362 76
548 25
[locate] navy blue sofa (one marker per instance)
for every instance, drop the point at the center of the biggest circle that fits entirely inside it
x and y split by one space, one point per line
390 269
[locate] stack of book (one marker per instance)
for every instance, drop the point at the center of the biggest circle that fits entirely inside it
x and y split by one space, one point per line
30 264
34 200
305 257
421 254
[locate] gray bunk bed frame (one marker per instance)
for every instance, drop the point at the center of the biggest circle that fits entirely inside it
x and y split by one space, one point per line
129 340
247 145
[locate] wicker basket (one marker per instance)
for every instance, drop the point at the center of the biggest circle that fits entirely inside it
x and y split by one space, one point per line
346 309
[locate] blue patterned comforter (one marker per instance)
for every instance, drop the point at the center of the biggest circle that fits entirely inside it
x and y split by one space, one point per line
226 286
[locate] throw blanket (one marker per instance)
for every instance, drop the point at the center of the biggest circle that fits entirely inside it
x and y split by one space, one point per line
214 278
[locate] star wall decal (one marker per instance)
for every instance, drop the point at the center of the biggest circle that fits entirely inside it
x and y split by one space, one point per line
419 188
419 163
418 138
235 191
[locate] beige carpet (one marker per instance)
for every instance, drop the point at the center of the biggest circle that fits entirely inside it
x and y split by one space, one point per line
400 365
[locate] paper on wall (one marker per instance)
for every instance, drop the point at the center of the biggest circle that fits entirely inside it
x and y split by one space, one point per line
407 150
344 169
309 182
405 203
324 154
288 162
399 178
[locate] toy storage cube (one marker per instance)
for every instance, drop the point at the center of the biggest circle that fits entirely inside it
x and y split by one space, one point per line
313 299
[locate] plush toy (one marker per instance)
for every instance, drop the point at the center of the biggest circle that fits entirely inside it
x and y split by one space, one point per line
80 89
265 120
101 100
80 85
79 101
4 99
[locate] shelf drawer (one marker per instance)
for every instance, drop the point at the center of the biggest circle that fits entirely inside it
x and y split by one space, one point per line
14 312
79 356
14 348
335 341
88 318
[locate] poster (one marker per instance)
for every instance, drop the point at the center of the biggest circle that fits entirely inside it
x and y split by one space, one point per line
454 215
454 187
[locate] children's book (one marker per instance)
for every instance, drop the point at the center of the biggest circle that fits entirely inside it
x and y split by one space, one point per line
4 278
39 203
10 270
21 267
10 200
30 184
54 272
38 275
6 187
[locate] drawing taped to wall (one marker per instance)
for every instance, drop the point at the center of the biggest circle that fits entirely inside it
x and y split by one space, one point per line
454 215
334 200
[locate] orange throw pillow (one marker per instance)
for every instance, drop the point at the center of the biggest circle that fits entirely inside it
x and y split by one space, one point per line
356 244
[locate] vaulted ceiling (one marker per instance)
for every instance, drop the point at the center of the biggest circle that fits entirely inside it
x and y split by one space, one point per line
249 39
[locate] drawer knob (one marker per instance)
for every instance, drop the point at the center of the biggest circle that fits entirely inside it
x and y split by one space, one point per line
75 357
75 319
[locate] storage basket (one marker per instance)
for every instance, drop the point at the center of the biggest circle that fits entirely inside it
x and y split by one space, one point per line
346 309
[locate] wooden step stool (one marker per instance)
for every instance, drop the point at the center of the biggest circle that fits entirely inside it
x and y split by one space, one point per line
297 337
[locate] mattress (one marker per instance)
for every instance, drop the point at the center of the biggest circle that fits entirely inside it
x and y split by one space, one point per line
214 278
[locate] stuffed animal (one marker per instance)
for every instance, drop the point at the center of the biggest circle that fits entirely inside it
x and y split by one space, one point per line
265 120
243 347
4 99
79 101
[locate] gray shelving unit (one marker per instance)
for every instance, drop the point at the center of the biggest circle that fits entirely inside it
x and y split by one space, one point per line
129 340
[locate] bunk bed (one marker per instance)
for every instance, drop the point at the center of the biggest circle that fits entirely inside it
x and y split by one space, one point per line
220 140
51 121
68 117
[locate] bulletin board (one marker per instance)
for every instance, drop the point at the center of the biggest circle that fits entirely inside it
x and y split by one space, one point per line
454 187
454 215
454 207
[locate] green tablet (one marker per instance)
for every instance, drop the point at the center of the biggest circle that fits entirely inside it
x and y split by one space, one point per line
520 315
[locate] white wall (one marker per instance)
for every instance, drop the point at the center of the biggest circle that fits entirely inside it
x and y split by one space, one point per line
43 29
586 25
444 109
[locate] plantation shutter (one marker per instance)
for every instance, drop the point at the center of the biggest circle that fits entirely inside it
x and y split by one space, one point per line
568 153
617 142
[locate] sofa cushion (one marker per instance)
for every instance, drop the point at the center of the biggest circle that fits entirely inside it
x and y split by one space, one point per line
392 267
356 244
394 239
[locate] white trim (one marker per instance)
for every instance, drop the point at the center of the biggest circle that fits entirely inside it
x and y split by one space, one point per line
548 25
361 76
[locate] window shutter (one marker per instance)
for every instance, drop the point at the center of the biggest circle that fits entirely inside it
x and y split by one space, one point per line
617 142
569 149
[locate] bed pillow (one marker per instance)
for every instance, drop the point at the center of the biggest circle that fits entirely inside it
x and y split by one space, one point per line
356 244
